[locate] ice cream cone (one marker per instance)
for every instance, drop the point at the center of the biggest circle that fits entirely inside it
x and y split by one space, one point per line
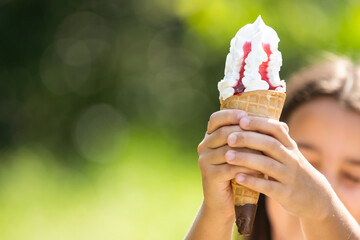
259 103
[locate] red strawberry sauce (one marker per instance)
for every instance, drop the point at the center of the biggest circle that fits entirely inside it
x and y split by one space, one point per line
239 87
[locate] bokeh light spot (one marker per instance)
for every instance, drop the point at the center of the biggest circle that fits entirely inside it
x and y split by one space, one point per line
99 132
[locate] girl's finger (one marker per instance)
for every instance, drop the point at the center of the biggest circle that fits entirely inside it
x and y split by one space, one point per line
258 162
224 118
219 137
226 172
213 156
268 126
217 156
261 142
285 126
270 188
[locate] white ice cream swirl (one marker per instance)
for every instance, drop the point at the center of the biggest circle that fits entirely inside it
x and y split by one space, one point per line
257 34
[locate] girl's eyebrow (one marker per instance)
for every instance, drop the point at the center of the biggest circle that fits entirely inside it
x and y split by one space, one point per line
307 146
355 162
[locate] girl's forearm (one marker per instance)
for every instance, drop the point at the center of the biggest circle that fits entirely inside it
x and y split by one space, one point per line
336 223
210 225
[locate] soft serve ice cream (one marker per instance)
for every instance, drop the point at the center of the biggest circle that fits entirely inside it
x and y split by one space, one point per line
253 62
252 84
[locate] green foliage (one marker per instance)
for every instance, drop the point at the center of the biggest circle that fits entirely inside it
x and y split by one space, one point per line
154 61
150 189
102 105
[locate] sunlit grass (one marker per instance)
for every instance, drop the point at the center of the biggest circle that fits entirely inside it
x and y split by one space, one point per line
150 190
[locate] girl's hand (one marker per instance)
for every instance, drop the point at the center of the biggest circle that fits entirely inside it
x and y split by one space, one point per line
216 172
292 182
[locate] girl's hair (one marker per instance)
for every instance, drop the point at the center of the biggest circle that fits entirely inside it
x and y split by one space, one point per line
337 78
261 229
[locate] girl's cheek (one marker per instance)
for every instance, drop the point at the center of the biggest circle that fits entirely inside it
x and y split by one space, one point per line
354 209
349 194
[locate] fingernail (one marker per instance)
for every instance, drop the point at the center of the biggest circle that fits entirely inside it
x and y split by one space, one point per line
230 155
232 139
240 178
244 122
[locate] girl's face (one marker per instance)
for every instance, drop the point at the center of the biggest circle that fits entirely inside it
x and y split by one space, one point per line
328 135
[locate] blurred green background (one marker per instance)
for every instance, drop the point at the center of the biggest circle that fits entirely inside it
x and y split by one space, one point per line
103 103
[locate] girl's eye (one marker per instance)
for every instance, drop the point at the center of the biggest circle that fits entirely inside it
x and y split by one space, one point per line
351 178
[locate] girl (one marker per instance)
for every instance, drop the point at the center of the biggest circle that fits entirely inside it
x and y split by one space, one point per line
313 190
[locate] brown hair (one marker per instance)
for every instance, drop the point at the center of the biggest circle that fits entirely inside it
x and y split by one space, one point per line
336 77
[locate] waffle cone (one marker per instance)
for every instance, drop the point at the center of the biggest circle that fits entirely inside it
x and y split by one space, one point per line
260 103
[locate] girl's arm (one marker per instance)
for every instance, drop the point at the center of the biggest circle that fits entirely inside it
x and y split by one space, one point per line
293 182
337 223
210 225
216 216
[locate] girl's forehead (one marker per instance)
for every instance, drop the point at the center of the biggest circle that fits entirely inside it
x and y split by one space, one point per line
328 126
327 111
